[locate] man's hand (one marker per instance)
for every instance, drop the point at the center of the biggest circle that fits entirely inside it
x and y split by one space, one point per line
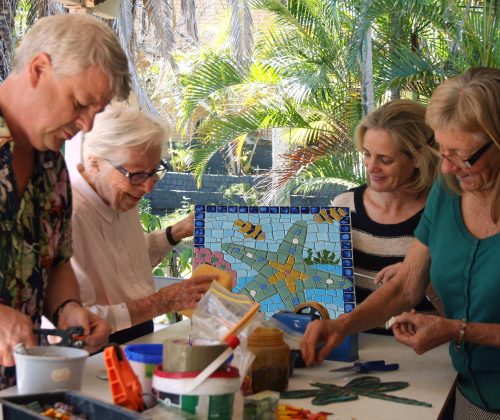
96 329
318 332
15 327
423 332
185 294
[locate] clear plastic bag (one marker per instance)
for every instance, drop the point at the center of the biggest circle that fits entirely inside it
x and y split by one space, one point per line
291 337
216 315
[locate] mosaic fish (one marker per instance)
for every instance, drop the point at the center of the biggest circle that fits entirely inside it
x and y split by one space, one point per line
249 230
329 215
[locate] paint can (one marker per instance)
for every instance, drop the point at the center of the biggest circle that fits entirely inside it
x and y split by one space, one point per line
48 368
213 399
143 359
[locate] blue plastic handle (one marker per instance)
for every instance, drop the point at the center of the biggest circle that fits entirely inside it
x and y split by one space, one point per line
375 366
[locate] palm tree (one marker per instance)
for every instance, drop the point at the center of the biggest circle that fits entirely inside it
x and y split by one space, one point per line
307 77
156 14
30 11
6 35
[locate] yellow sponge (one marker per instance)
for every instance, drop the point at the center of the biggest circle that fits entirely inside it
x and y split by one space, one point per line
225 279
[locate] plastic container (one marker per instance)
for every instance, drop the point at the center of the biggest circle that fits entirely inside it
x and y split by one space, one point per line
14 408
213 399
190 356
272 360
143 359
49 368
261 406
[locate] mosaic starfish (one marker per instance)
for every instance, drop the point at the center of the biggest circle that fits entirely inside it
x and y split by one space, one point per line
287 272
286 264
367 386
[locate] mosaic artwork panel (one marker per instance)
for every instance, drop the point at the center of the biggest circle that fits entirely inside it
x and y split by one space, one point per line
280 256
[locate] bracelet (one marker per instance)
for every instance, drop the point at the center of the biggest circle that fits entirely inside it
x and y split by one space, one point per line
57 312
432 299
461 335
170 238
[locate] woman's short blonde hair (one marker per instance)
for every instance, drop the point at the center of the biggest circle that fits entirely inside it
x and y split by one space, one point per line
470 103
404 120
118 129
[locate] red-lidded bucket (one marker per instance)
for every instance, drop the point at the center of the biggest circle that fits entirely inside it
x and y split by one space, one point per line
213 399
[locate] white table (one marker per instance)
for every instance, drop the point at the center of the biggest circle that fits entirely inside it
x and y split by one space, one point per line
431 378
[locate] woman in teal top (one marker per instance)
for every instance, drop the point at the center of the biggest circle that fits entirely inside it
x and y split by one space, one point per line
457 245
465 273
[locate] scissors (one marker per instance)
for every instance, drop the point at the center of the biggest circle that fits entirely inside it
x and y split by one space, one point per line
70 337
367 367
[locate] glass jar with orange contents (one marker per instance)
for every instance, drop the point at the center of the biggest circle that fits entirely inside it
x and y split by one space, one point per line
272 359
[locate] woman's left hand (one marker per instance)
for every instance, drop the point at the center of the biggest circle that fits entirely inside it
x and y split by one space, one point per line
387 273
423 332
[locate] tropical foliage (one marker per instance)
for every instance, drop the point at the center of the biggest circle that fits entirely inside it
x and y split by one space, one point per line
310 78
136 20
177 261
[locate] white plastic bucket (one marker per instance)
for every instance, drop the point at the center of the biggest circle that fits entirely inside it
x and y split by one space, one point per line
213 399
143 359
49 368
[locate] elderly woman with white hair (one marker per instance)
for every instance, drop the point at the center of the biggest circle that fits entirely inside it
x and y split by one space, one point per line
112 257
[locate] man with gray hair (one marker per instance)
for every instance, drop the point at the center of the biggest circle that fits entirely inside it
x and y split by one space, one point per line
67 69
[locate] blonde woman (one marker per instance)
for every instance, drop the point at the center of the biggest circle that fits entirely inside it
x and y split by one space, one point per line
386 210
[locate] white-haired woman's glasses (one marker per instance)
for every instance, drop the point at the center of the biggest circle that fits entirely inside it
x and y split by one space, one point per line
137 178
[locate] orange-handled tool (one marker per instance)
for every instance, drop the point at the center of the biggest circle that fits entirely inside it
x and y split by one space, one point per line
123 382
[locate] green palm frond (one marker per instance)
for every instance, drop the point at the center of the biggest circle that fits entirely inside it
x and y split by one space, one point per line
306 78
220 133
265 74
481 37
200 156
324 176
213 74
404 67
338 165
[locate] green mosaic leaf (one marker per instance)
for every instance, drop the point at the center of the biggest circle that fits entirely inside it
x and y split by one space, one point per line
367 386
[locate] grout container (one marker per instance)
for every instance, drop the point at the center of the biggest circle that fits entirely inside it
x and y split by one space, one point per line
143 359
213 399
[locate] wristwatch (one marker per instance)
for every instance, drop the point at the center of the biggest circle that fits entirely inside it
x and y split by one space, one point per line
170 238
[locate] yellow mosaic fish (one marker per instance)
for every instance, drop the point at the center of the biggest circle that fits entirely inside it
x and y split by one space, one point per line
249 230
329 215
